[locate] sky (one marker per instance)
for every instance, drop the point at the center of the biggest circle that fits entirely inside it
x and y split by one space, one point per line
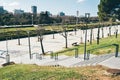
69 7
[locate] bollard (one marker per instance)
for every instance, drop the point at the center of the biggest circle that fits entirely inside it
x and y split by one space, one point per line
39 56
7 58
51 54
88 54
56 56
76 53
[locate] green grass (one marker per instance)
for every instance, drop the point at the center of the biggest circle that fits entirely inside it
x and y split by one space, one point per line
103 42
34 72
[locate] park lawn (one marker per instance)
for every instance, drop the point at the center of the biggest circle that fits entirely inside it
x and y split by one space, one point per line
103 42
34 72
15 29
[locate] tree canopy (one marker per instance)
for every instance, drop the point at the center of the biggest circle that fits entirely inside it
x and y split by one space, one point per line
44 18
108 9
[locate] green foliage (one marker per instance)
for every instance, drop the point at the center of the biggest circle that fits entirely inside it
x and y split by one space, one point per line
44 18
103 42
108 9
33 72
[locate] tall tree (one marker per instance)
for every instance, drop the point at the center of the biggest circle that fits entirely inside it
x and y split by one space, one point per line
109 9
44 18
40 31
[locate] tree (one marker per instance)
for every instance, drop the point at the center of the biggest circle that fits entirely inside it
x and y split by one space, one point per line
109 9
44 18
64 33
40 31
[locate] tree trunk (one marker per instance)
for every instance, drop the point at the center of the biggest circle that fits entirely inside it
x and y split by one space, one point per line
98 35
42 48
66 44
102 33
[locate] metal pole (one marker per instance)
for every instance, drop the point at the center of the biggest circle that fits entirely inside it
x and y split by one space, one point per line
7 55
32 19
76 53
18 34
91 36
98 35
116 33
53 35
29 45
110 30
117 50
7 45
85 44
87 15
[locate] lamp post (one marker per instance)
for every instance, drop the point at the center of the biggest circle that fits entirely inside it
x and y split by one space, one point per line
76 22
29 44
32 19
18 35
7 55
116 29
53 30
91 32
87 15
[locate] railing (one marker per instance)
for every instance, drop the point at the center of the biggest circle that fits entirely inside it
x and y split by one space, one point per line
116 52
55 55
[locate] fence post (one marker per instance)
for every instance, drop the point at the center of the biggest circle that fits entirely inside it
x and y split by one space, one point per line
7 58
51 55
56 56
76 53
88 54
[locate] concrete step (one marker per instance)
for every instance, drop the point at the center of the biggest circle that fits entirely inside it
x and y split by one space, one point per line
94 60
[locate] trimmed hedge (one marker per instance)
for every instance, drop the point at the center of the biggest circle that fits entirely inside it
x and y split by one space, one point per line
20 34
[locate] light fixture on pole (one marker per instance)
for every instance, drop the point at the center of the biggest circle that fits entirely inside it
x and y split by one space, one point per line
87 15
76 21
32 19
29 44
7 55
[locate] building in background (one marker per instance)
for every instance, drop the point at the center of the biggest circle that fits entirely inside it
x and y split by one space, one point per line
61 14
18 11
34 9
2 10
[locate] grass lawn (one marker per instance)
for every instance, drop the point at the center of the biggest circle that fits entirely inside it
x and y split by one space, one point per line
103 42
34 72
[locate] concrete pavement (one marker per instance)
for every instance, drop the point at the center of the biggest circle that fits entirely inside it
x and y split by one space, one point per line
20 53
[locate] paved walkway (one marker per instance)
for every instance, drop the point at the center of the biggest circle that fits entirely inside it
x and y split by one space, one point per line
20 53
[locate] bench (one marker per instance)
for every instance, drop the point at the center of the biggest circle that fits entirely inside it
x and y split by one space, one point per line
75 44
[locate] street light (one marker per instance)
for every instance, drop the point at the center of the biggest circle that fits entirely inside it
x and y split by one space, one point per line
87 15
76 21
7 55
32 19
18 36
29 44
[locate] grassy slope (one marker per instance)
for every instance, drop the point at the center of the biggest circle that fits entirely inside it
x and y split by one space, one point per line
103 42
34 72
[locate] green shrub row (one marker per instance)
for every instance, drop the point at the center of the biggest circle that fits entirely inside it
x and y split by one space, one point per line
20 34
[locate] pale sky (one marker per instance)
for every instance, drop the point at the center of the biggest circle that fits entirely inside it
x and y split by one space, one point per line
69 7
